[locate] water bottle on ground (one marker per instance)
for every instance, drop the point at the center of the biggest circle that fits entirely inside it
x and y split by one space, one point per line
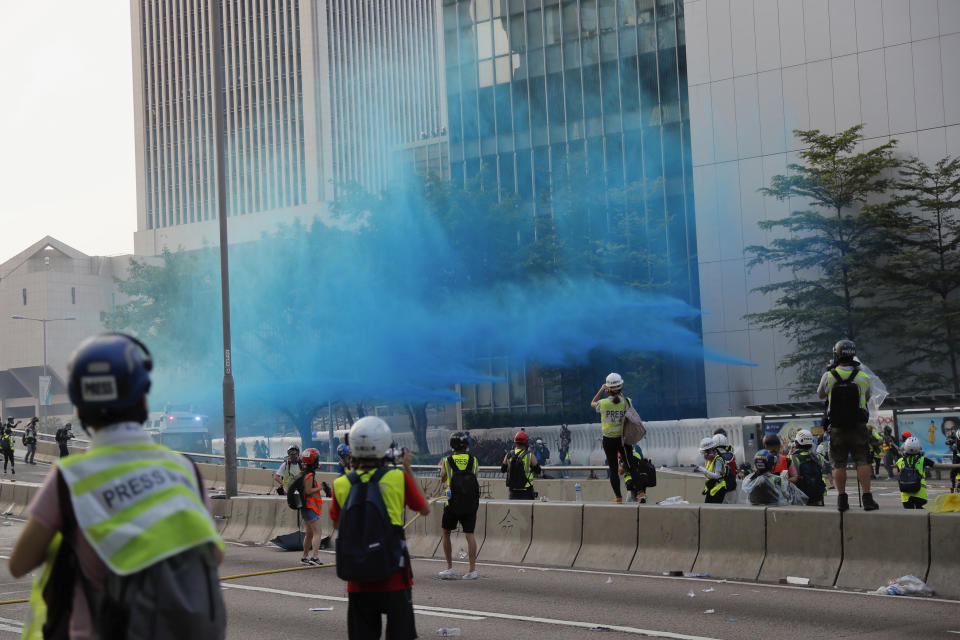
448 633
577 490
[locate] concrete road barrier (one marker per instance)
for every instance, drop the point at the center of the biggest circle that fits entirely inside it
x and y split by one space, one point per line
239 508
457 539
668 538
23 492
508 529
423 535
944 576
732 541
7 499
557 533
257 481
804 542
261 518
869 537
609 537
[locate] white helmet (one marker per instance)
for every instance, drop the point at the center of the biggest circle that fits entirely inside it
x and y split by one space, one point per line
614 382
720 440
370 438
912 446
804 438
707 444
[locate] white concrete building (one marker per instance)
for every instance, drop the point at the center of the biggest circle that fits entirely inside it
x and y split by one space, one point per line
758 69
49 281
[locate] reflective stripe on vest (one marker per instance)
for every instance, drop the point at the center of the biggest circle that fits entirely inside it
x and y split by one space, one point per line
524 455
392 490
137 504
862 380
717 466
611 416
313 502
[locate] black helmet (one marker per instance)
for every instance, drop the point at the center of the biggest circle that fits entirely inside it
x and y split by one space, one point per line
458 441
844 351
109 373
719 430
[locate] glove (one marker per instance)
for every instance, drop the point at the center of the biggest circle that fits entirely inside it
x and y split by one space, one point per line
279 491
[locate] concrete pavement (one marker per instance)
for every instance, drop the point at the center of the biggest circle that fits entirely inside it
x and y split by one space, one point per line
512 602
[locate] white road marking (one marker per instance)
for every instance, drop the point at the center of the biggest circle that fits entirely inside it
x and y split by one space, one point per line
438 614
711 580
487 614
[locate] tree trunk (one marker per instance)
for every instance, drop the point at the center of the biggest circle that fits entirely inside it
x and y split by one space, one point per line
418 424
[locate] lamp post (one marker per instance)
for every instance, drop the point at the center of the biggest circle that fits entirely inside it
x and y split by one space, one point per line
43 322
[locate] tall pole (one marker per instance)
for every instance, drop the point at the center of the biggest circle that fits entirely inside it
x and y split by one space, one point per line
43 406
229 402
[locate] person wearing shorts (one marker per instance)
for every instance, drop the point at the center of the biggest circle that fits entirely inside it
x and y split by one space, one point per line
468 521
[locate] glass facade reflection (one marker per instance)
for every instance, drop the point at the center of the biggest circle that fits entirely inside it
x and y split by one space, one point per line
540 90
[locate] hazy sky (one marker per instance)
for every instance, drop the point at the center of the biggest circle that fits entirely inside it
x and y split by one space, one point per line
66 125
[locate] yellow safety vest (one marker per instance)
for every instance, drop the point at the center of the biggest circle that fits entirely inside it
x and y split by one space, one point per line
611 416
712 467
289 474
862 380
524 455
137 504
918 463
392 490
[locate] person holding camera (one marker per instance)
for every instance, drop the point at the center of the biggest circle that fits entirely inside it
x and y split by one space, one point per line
289 470
613 411
30 441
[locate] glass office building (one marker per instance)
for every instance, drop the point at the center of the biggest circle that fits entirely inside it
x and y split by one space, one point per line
538 87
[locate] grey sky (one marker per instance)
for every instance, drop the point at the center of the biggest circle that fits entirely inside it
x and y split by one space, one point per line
66 125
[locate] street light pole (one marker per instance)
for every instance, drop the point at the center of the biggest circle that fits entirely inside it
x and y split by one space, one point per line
43 323
229 401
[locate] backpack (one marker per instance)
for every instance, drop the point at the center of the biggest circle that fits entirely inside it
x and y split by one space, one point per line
729 474
910 479
845 411
464 488
295 496
60 436
177 598
516 474
809 475
369 546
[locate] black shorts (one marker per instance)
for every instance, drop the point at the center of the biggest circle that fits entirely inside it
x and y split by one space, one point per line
450 520
850 442
364 611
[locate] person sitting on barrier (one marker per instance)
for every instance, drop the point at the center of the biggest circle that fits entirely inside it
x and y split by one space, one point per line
808 471
635 477
459 472
289 470
520 465
913 467
716 472
763 486
847 390
613 411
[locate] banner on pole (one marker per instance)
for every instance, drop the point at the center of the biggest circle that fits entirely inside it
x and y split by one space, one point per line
45 390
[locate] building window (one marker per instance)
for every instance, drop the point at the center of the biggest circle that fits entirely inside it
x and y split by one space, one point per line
24 297
73 295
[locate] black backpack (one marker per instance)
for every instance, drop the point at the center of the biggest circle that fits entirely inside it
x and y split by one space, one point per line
910 479
729 475
809 475
464 488
295 496
369 546
845 411
516 474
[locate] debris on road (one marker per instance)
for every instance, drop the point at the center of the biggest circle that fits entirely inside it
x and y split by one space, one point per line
908 585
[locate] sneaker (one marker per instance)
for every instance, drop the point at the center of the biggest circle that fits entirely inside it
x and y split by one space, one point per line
315 560
306 561
473 575
643 501
618 500
843 504
869 504
448 574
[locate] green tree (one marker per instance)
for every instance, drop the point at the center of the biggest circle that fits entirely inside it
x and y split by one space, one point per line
923 276
829 249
